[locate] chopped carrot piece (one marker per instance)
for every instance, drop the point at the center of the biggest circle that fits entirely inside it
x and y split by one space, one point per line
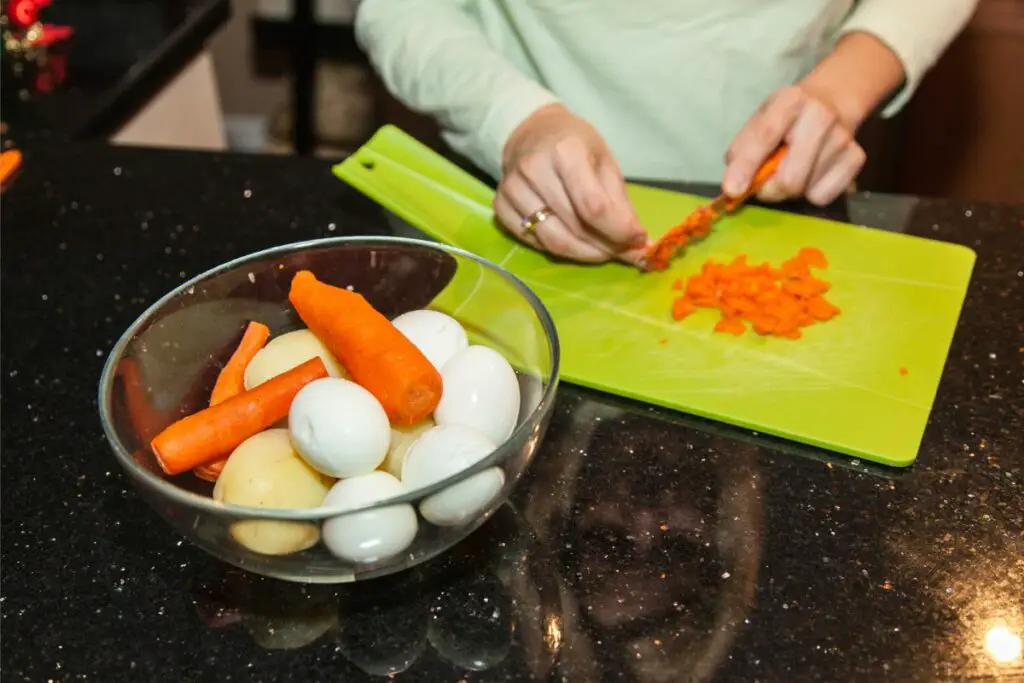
731 325
813 256
774 301
903 372
682 307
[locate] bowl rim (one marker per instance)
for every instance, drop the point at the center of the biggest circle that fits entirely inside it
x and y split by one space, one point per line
166 489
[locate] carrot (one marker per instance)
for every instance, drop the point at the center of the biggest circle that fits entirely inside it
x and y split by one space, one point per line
375 353
231 379
231 382
904 372
143 415
219 429
775 301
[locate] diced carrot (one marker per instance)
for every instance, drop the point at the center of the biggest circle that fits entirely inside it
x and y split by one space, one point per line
813 256
903 372
682 307
678 284
731 325
774 301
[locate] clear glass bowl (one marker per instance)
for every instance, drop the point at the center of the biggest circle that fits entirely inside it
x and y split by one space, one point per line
165 365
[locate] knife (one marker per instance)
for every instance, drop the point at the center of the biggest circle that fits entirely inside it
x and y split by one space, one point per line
700 220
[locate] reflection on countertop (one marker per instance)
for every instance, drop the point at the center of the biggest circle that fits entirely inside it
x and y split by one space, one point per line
644 545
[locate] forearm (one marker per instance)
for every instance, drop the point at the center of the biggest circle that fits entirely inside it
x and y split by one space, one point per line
881 34
858 75
432 57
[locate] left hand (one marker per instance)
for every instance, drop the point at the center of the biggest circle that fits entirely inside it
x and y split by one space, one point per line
823 158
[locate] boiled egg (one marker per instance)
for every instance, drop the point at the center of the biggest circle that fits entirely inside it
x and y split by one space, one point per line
374 534
339 427
481 391
442 452
438 336
286 351
401 439
266 471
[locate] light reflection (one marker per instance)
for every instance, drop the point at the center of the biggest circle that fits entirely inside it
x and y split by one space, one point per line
1002 644
553 633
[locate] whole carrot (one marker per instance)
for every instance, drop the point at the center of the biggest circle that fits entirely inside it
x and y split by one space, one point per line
230 382
375 353
219 429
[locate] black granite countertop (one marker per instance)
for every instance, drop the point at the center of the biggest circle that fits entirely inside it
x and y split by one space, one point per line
644 546
122 53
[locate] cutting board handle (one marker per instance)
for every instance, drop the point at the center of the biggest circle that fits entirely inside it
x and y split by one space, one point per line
422 187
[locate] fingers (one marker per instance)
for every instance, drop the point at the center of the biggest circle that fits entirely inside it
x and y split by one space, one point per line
840 174
608 214
517 199
813 126
759 138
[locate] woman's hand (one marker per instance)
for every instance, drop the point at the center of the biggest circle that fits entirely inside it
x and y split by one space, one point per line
555 161
818 118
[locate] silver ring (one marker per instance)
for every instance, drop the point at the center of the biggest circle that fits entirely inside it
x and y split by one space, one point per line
530 223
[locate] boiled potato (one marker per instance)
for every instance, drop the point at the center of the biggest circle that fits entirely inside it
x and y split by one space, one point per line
401 439
266 471
289 350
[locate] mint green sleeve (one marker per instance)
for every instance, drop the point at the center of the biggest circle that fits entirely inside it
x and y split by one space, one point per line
917 31
436 60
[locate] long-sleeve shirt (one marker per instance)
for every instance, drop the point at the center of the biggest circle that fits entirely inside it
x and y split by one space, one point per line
668 83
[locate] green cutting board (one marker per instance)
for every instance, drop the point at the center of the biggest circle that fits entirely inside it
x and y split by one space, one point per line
839 387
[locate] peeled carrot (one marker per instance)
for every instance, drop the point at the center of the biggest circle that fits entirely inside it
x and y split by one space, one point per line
775 301
231 382
375 353
219 429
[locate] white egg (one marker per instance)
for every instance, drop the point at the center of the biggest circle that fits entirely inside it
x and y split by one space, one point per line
438 454
372 535
480 391
402 438
286 351
438 336
339 427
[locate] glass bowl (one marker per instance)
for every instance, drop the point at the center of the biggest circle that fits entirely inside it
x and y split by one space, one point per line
164 367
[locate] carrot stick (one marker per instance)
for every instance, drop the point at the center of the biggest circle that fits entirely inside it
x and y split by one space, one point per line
375 353
219 429
231 382
144 416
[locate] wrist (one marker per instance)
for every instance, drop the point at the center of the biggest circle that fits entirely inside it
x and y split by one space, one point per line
855 78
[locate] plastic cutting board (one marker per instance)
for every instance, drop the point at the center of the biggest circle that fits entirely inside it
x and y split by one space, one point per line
840 387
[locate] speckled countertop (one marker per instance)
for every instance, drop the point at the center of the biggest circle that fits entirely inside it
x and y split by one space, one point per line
723 557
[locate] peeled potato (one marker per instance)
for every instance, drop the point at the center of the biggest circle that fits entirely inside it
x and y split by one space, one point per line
286 351
401 439
266 471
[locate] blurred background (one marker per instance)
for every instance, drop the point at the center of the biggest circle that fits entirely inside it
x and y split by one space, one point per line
286 76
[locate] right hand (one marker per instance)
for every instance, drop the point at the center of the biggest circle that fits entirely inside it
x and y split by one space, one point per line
556 160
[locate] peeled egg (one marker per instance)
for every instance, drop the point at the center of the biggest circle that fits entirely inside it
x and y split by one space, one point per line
286 351
481 391
401 439
438 336
438 454
339 427
374 534
265 471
